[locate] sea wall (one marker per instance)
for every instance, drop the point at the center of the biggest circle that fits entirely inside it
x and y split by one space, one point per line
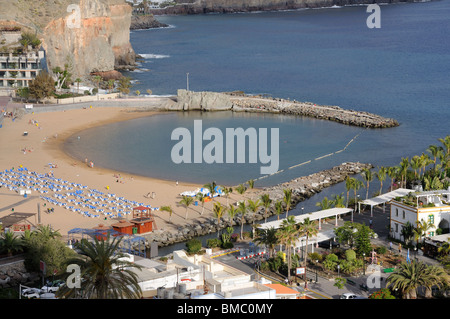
302 189
211 101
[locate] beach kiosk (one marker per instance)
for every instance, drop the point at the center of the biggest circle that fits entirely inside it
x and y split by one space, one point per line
124 227
143 220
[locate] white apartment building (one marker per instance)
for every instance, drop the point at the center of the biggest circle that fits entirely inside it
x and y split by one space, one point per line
17 70
430 206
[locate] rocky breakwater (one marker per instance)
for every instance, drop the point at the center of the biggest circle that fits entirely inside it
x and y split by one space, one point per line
302 189
324 112
199 101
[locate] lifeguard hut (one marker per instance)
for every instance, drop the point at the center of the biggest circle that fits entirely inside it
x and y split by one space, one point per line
143 220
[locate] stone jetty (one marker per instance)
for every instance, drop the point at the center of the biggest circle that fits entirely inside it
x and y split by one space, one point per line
302 189
239 102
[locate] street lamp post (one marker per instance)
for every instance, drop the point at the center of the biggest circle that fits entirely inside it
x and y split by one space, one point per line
364 264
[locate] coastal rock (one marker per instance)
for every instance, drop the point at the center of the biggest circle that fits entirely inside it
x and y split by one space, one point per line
139 22
202 101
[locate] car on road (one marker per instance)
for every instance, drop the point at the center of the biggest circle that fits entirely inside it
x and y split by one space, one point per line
53 286
350 295
31 293
328 244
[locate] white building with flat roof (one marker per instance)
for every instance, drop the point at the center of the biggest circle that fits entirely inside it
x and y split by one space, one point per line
431 207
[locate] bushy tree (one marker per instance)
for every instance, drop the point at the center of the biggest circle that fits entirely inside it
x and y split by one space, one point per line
42 86
193 246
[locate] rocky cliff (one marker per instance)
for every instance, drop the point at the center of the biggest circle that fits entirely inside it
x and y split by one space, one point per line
230 6
90 35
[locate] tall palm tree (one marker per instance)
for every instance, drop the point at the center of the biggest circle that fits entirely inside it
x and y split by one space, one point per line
368 177
308 228
392 173
381 176
404 165
104 274
435 151
227 191
186 201
286 235
278 208
218 211
356 185
266 201
167 209
231 211
202 198
348 186
446 145
415 164
268 238
287 199
242 209
253 207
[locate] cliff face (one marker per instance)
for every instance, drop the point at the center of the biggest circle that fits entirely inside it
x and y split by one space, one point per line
230 6
97 41
92 38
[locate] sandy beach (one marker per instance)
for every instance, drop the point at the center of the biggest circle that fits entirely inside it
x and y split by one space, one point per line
42 145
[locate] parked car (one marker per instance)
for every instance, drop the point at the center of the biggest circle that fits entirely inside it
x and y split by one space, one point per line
31 293
53 286
328 244
349 295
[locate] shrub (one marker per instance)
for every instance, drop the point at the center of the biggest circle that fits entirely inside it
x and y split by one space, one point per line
227 245
315 256
350 255
194 246
213 242
381 250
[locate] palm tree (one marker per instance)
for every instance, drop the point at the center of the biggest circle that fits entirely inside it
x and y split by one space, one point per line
227 191
231 211
187 201
268 238
212 189
392 173
251 183
325 203
104 273
287 199
266 201
435 276
278 208
111 83
218 211
356 185
348 186
415 164
308 228
241 189
78 81
253 207
286 235
338 200
368 177
404 164
242 209
446 143
381 176
10 243
435 151
167 209
46 231
407 232
410 276
202 198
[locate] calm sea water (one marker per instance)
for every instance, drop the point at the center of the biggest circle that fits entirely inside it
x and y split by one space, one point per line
327 56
